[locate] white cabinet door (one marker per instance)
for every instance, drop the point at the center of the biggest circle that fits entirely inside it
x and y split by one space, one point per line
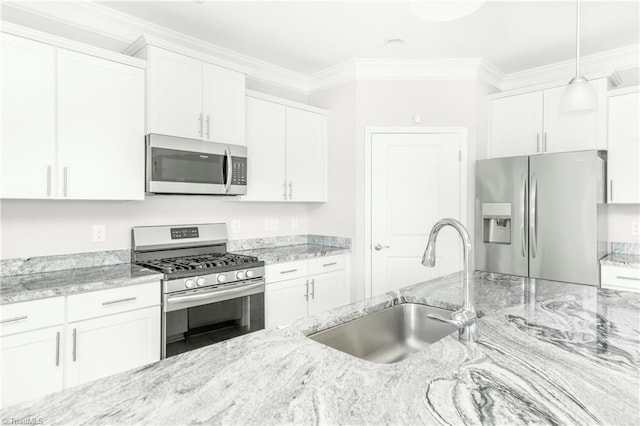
575 132
174 90
224 105
112 344
100 128
327 291
31 365
624 148
28 119
515 126
266 135
306 155
285 302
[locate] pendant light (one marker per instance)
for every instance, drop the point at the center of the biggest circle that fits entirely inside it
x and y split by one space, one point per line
579 96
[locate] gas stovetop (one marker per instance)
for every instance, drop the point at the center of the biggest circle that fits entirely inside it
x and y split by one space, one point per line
201 264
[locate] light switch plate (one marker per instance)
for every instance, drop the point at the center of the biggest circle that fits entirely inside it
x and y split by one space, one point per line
235 226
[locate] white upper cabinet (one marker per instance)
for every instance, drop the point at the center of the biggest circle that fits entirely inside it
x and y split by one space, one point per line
575 132
287 151
266 143
28 118
100 128
623 163
306 155
174 94
224 105
73 121
515 127
531 123
191 98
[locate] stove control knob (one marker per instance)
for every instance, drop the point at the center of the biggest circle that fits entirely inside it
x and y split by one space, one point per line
250 274
240 275
222 278
200 282
188 283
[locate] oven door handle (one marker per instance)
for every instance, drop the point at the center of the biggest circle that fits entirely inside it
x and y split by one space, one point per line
214 296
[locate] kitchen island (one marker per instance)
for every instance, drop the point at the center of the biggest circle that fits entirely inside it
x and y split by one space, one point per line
546 352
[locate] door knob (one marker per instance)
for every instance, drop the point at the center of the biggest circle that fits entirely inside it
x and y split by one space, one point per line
380 247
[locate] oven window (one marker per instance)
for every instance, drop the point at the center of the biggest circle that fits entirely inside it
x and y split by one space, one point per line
203 325
170 165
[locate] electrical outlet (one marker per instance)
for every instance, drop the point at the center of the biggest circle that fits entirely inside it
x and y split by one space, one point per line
235 226
99 233
294 223
271 224
635 228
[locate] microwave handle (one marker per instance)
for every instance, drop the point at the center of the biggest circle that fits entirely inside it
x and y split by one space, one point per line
229 174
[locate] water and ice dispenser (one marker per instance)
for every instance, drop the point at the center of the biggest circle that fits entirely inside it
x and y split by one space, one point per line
496 223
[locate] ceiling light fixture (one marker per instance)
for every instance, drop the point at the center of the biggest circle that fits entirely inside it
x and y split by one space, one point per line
394 42
439 11
579 96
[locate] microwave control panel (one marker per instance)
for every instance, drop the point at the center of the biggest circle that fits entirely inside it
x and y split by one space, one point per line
239 176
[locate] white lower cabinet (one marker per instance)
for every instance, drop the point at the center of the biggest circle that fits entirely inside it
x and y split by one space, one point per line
108 345
31 365
620 278
111 331
325 287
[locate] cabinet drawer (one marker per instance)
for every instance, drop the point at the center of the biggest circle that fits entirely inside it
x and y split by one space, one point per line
620 278
106 302
320 265
24 316
285 271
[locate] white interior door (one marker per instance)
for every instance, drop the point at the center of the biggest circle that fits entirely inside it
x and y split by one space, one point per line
415 181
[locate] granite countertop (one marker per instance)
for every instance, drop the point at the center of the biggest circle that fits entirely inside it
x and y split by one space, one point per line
621 259
546 352
291 253
21 288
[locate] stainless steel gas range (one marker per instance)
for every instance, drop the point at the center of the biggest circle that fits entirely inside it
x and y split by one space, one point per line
209 295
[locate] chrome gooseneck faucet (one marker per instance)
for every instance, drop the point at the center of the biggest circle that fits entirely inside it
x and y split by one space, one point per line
464 318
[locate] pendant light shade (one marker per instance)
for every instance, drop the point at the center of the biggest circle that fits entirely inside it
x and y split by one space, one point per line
579 96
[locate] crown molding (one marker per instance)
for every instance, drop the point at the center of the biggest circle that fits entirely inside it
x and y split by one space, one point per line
604 62
115 25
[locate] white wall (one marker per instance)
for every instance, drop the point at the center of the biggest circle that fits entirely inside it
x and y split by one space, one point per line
39 228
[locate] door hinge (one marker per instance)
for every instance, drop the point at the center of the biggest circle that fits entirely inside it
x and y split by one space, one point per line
459 155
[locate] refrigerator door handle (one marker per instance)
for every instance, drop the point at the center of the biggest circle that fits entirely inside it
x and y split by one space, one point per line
533 232
523 212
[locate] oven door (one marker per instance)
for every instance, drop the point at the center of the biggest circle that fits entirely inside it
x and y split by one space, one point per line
188 166
197 318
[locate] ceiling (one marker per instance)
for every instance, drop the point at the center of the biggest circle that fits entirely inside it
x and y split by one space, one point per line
309 36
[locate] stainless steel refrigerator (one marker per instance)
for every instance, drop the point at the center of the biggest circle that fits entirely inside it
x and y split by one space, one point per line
542 216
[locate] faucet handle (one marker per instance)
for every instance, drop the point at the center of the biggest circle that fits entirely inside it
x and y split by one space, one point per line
459 319
454 322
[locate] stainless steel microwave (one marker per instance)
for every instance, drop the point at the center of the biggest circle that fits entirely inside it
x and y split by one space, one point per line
190 166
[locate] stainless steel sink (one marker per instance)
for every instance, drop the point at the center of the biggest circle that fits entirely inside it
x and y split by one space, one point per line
388 336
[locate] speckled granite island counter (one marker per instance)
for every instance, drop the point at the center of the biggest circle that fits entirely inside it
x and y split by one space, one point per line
546 352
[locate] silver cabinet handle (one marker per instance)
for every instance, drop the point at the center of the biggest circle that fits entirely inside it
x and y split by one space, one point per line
627 278
65 176
306 294
113 302
380 247
544 142
537 142
200 124
289 271
208 126
313 288
611 190
74 351
523 232
290 189
49 181
57 348
533 233
15 319
330 264
284 186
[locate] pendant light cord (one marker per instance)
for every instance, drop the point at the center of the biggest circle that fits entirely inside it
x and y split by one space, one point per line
577 37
